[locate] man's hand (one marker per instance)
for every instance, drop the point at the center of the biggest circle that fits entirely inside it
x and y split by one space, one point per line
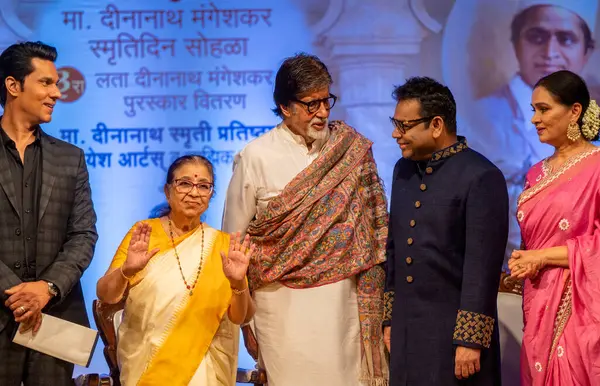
26 301
387 337
466 362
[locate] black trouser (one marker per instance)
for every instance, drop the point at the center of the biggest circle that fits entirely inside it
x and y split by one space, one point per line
20 364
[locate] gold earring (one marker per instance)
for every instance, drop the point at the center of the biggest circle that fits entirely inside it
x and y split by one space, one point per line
573 132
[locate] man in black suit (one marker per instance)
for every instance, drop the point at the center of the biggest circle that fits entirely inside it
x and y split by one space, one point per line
47 220
447 233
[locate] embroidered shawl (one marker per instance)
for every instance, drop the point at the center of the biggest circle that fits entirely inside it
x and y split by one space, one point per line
330 223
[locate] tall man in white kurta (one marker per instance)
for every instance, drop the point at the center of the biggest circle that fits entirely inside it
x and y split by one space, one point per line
309 195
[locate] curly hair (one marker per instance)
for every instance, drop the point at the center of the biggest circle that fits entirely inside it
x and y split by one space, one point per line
435 99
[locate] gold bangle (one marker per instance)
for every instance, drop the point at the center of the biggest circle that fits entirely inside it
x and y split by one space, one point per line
123 274
237 291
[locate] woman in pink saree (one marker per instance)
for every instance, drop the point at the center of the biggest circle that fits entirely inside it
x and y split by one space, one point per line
559 215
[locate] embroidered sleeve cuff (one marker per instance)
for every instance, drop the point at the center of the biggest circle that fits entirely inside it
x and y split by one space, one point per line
388 302
473 329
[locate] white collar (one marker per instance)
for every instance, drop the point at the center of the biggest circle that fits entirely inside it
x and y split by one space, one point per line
522 93
289 135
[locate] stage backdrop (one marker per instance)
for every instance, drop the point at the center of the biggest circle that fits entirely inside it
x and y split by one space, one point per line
144 82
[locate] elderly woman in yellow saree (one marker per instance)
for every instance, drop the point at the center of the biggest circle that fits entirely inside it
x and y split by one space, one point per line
186 289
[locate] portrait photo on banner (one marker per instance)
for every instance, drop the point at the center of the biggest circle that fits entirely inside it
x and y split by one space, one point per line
493 53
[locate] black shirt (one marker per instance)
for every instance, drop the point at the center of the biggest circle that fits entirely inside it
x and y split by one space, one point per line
27 178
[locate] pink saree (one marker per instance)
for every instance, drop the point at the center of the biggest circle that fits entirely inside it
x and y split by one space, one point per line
561 307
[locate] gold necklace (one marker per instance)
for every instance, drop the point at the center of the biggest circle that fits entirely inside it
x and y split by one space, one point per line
189 287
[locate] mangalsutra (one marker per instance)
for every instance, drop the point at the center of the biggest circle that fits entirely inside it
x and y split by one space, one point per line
189 287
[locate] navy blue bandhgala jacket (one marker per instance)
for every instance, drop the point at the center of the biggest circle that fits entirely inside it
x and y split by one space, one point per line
447 236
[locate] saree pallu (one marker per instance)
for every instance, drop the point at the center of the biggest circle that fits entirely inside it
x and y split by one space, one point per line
561 307
168 337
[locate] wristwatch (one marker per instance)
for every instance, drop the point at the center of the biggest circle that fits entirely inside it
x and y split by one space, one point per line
52 289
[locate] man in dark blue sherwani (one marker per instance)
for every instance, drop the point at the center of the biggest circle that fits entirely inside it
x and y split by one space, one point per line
447 234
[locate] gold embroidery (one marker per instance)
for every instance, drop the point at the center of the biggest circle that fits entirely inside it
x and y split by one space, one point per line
456 148
550 177
472 327
546 169
388 302
562 316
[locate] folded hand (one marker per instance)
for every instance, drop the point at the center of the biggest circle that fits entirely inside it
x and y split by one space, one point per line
525 264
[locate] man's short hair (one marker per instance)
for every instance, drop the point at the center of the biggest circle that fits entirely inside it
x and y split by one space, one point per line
435 99
297 75
15 61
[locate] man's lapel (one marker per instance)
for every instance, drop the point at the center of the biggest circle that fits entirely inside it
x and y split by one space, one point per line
49 171
6 179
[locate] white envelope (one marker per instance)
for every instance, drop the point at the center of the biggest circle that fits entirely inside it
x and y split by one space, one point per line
61 339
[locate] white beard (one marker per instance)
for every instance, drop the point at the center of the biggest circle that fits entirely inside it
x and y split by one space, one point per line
318 134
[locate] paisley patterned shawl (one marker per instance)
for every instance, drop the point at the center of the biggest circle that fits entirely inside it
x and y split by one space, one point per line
330 223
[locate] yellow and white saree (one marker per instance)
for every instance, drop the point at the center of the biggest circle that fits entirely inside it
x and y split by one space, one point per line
169 337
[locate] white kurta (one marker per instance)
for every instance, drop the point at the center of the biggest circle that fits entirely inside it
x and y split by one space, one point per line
305 336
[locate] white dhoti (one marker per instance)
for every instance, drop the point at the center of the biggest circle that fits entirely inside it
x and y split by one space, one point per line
309 337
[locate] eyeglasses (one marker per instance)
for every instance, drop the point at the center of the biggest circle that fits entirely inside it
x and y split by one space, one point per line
313 106
403 126
186 186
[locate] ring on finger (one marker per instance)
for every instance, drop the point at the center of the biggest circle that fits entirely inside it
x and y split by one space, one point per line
23 310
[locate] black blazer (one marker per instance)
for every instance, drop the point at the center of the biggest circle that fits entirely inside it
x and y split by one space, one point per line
66 230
